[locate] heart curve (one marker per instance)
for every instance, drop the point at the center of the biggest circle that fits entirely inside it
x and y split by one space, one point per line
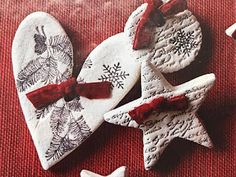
42 54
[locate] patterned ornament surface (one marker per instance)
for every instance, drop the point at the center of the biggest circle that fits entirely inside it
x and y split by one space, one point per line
175 44
114 74
160 128
42 54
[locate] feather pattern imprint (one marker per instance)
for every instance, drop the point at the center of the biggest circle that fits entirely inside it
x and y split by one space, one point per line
67 131
45 69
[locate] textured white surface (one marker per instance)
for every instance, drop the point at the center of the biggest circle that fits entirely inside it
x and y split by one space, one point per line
175 45
32 70
120 172
102 64
42 54
229 31
160 128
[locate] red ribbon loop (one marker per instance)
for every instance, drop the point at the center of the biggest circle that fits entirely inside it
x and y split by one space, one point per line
69 89
160 104
173 7
154 15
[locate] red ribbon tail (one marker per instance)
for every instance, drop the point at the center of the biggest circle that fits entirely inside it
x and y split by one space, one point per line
44 96
143 35
173 7
140 113
160 104
94 90
154 16
176 103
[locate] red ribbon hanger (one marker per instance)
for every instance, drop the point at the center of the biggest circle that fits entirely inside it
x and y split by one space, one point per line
160 104
154 16
69 89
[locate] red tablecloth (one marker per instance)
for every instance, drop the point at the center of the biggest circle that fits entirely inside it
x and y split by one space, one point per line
89 22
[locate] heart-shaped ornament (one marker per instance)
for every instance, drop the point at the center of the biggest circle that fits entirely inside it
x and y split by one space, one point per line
42 54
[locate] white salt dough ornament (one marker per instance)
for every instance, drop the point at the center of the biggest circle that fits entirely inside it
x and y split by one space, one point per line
110 61
231 31
42 54
119 172
175 44
160 128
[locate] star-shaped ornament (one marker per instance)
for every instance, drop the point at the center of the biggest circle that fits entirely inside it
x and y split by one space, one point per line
165 112
120 172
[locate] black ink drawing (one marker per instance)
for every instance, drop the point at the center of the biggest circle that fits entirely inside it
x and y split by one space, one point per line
41 113
114 75
44 68
68 133
40 41
61 49
88 63
75 105
59 119
183 42
64 76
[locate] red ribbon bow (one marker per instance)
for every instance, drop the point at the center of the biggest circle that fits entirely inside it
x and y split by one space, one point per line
160 104
154 15
69 89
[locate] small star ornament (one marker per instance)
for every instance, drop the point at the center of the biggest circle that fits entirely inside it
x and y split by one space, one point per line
120 172
163 123
231 31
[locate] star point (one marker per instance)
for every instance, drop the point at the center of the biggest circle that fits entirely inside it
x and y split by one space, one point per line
119 172
160 128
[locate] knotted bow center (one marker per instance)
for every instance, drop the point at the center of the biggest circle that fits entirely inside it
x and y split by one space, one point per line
68 89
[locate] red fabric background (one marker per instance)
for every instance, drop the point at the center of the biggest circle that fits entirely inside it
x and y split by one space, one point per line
89 22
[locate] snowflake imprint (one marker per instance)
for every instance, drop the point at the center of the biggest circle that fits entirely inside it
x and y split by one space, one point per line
114 74
184 42
88 63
